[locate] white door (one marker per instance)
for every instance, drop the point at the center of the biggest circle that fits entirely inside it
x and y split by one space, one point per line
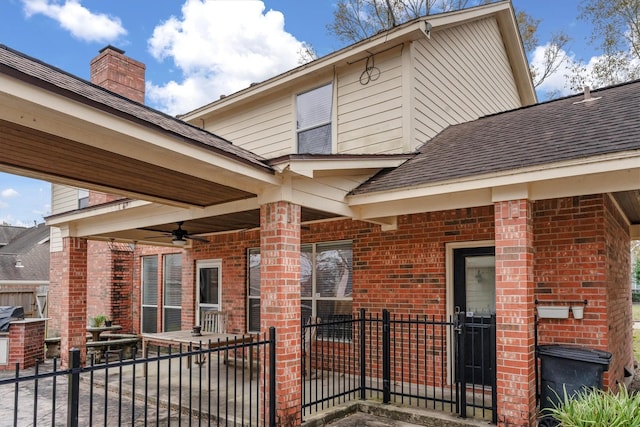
209 286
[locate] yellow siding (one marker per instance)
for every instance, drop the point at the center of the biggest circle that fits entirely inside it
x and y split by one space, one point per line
420 90
370 112
455 75
266 128
63 198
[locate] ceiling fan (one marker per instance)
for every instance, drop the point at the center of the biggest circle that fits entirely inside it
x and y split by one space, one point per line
179 236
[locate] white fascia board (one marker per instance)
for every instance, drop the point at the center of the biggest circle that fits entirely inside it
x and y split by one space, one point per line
629 161
49 112
93 212
324 167
439 202
144 215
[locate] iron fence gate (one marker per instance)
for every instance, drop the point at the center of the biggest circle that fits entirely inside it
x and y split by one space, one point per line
414 360
180 384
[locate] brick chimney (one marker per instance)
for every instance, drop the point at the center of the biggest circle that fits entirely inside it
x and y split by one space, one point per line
112 70
115 71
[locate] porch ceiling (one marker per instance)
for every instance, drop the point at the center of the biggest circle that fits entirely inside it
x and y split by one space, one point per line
629 202
38 154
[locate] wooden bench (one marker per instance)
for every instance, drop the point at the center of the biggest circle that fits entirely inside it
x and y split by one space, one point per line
119 345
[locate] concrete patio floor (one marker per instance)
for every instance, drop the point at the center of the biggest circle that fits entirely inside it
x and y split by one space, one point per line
209 393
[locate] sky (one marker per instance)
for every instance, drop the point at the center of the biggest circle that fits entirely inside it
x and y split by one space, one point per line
197 50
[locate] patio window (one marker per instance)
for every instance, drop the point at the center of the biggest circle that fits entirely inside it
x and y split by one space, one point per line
149 294
326 286
172 292
313 112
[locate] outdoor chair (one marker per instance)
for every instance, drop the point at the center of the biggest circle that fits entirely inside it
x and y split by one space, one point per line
310 333
214 321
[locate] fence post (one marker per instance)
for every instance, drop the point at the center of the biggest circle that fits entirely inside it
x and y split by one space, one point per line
363 356
73 395
494 367
272 377
386 357
461 329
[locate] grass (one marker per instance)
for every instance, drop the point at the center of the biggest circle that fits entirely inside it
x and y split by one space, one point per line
636 311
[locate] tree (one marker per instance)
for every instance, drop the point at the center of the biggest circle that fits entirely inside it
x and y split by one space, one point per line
355 20
616 33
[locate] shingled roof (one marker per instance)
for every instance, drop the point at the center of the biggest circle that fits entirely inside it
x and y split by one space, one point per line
30 249
29 69
562 130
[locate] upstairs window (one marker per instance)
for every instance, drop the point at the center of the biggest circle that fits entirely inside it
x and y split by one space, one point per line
83 198
313 111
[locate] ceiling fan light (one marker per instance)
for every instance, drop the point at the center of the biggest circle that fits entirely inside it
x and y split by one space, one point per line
179 242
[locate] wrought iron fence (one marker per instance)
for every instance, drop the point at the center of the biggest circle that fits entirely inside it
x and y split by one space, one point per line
411 360
186 384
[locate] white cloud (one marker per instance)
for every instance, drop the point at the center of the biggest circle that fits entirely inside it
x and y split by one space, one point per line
9 193
220 47
77 19
557 82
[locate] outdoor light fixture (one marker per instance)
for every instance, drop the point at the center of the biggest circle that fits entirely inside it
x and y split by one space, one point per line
179 241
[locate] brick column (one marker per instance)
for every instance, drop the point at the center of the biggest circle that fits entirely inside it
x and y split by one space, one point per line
280 301
515 347
69 306
26 343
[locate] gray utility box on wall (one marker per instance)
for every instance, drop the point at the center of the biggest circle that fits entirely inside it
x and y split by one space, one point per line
568 368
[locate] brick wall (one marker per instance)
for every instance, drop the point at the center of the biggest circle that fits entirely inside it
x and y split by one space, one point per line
99 262
579 249
582 252
26 343
619 306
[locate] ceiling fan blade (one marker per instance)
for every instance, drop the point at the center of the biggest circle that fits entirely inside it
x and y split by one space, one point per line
199 239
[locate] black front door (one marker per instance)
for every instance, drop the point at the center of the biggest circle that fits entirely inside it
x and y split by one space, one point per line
475 296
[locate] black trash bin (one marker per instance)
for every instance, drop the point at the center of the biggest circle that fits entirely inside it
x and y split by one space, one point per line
568 368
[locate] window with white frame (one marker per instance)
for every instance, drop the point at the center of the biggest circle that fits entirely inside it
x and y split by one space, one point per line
313 114
172 278
208 283
253 291
326 286
149 309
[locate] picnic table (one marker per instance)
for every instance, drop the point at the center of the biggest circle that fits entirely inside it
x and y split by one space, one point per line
186 338
96 331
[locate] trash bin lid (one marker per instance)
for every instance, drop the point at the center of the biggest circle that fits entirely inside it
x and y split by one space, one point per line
575 353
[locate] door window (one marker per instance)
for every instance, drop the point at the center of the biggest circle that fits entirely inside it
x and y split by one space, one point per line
209 279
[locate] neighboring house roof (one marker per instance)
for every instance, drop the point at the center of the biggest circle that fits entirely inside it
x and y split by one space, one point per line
564 130
26 257
8 233
29 69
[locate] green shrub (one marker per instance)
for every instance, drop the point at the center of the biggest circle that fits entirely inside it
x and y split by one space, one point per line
635 296
597 408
